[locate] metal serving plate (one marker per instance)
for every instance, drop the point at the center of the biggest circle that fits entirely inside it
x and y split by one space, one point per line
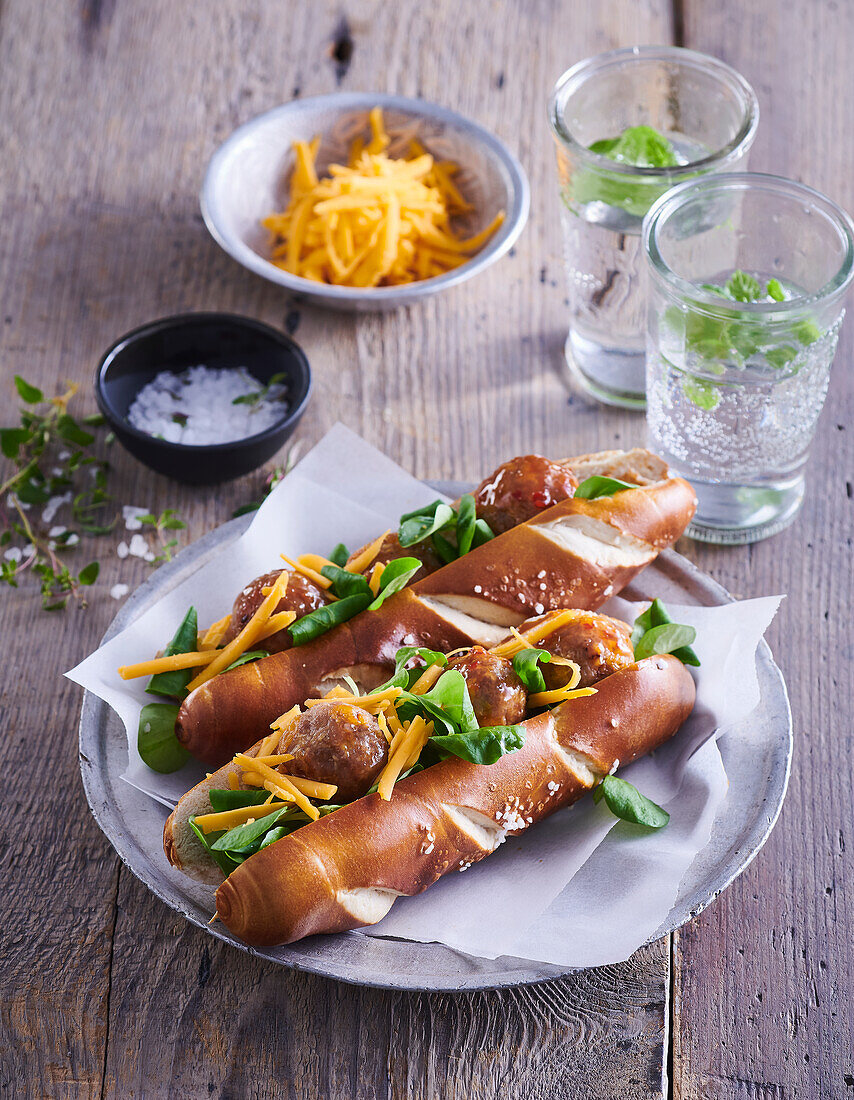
757 767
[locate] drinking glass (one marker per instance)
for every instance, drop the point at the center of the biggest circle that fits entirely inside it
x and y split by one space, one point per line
748 274
709 114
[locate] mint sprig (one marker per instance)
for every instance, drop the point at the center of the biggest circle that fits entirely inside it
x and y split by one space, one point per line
639 146
734 338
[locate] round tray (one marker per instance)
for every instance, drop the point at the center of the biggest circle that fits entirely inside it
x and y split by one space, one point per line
758 771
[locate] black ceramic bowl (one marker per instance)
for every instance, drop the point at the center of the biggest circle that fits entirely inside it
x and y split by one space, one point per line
216 340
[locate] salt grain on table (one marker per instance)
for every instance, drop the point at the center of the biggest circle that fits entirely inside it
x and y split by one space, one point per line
122 550
139 548
53 506
13 553
118 590
131 516
197 407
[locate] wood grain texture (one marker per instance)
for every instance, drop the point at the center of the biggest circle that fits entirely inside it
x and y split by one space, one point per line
763 980
109 993
108 115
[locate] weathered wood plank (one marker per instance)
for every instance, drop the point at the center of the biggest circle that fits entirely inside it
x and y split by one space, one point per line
763 981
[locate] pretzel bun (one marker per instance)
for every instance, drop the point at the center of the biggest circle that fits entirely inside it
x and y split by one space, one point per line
576 553
346 870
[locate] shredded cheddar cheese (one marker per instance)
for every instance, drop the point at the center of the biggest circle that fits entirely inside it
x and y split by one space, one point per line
281 784
378 221
276 623
214 633
284 721
362 560
227 819
427 679
167 664
403 753
559 695
306 570
536 634
379 700
376 577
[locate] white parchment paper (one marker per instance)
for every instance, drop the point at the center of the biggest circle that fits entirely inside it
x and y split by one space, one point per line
579 889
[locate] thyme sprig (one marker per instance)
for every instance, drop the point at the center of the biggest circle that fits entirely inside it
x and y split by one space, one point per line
51 453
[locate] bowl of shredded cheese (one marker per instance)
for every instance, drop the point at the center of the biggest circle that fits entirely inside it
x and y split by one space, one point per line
364 201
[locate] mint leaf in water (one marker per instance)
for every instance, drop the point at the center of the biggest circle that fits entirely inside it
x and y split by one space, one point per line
781 357
775 290
705 395
640 146
743 287
806 331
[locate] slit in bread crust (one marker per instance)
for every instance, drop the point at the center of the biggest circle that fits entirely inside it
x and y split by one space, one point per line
484 632
582 767
367 904
484 832
597 542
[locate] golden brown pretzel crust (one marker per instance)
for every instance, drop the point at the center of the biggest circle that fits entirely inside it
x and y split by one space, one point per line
345 870
575 554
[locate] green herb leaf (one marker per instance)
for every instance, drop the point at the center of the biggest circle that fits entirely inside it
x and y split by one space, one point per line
781 356
221 859
320 620
89 573
599 486
247 658
345 583
666 638
69 429
404 678
396 575
340 555
158 746
444 548
223 799
705 395
482 533
31 394
656 616
480 746
274 834
743 287
424 510
447 703
640 146
416 528
466 519
241 836
12 439
245 509
775 290
627 803
806 331
185 640
527 667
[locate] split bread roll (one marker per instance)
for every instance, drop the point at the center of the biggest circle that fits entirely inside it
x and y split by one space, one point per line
576 553
346 870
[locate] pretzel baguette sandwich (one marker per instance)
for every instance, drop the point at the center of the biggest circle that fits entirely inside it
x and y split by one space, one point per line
360 799
558 535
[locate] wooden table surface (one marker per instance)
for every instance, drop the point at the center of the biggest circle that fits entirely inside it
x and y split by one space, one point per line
109 111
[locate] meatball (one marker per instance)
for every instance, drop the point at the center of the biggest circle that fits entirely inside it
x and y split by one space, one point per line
336 743
520 489
598 644
392 549
300 596
496 692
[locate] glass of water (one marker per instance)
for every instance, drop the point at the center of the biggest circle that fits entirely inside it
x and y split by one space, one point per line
748 274
628 125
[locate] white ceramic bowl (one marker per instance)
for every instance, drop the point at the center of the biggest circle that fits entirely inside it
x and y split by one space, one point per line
247 179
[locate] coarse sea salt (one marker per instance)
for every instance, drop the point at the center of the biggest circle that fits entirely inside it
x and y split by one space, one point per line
196 406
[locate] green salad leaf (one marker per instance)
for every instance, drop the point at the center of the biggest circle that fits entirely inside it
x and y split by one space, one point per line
601 486
526 665
185 640
158 746
396 575
485 745
416 527
627 803
340 555
654 632
247 658
226 799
